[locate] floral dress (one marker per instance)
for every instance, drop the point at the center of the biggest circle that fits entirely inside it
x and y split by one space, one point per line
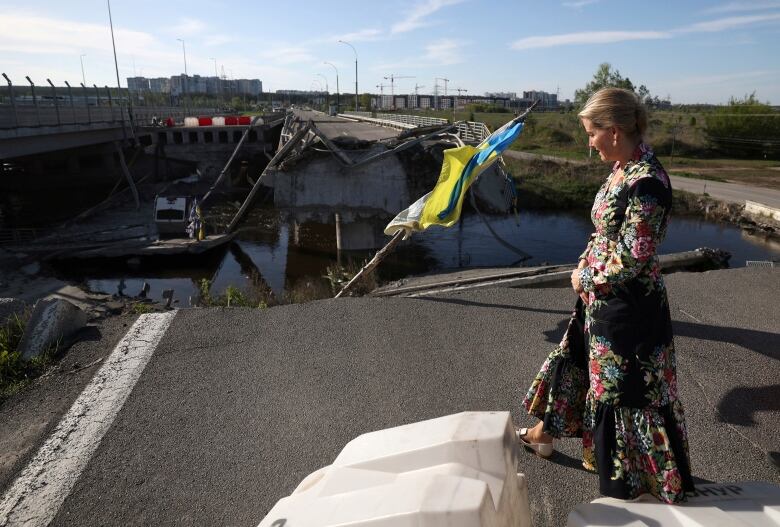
612 379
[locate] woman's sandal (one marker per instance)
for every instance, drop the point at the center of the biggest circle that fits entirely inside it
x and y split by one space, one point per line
544 450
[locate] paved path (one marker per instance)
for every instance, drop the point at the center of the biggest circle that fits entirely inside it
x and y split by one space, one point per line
731 192
236 406
334 127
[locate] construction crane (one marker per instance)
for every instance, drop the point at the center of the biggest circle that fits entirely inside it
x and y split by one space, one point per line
382 94
460 92
436 90
392 79
416 103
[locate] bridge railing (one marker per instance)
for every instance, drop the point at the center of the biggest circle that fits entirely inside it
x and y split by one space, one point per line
473 132
30 106
417 120
468 131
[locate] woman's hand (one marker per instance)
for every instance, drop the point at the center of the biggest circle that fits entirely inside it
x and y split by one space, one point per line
575 281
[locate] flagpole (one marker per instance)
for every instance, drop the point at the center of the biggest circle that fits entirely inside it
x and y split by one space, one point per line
378 257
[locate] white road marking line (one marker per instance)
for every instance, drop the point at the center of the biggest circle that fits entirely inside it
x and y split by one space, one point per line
37 494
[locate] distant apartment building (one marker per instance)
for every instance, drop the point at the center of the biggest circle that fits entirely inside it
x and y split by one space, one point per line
138 84
250 86
501 95
442 102
159 85
546 100
195 84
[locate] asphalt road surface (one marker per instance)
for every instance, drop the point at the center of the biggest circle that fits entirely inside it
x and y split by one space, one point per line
732 192
237 406
334 127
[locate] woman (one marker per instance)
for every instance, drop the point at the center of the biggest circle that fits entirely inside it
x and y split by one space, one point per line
612 379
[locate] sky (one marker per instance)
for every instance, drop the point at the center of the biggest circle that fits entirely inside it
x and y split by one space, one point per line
688 50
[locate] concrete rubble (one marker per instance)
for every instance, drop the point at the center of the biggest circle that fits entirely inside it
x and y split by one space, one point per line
52 320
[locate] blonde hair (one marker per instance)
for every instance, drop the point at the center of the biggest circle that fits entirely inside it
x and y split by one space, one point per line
616 107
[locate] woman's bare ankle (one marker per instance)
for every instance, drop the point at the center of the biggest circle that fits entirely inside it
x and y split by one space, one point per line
538 435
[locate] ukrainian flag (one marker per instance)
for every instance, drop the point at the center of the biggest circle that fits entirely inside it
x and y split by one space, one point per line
461 167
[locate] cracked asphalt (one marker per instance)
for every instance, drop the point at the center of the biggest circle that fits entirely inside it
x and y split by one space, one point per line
237 406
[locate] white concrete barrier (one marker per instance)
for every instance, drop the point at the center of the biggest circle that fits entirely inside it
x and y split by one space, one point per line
456 471
747 503
762 212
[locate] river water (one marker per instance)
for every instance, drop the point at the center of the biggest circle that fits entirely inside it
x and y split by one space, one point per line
284 258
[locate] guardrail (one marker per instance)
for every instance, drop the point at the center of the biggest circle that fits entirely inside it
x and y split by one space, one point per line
468 131
380 122
416 120
358 114
144 115
473 132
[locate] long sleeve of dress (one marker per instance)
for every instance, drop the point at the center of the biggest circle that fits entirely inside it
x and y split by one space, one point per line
611 262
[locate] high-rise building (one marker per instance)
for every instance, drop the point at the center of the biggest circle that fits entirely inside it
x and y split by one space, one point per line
546 100
160 85
195 84
137 84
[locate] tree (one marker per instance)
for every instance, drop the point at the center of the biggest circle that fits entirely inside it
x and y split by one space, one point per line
606 77
745 128
365 102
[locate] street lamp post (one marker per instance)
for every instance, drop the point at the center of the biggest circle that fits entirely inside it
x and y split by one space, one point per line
357 105
219 88
327 90
83 77
116 67
185 80
338 96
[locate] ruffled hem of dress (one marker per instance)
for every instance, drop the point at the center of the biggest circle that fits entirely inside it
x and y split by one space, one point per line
557 395
638 450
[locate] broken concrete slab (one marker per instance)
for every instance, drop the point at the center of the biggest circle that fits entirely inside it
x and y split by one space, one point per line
51 320
10 307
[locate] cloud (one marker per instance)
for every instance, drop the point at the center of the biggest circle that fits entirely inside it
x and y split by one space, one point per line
709 80
587 37
723 24
736 7
187 26
416 18
359 36
445 52
217 40
284 54
580 3
606 37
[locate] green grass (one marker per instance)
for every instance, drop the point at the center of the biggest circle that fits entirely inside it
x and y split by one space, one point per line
232 296
548 185
708 177
15 372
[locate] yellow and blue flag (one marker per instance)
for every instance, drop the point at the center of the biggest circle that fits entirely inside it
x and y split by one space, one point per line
460 169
